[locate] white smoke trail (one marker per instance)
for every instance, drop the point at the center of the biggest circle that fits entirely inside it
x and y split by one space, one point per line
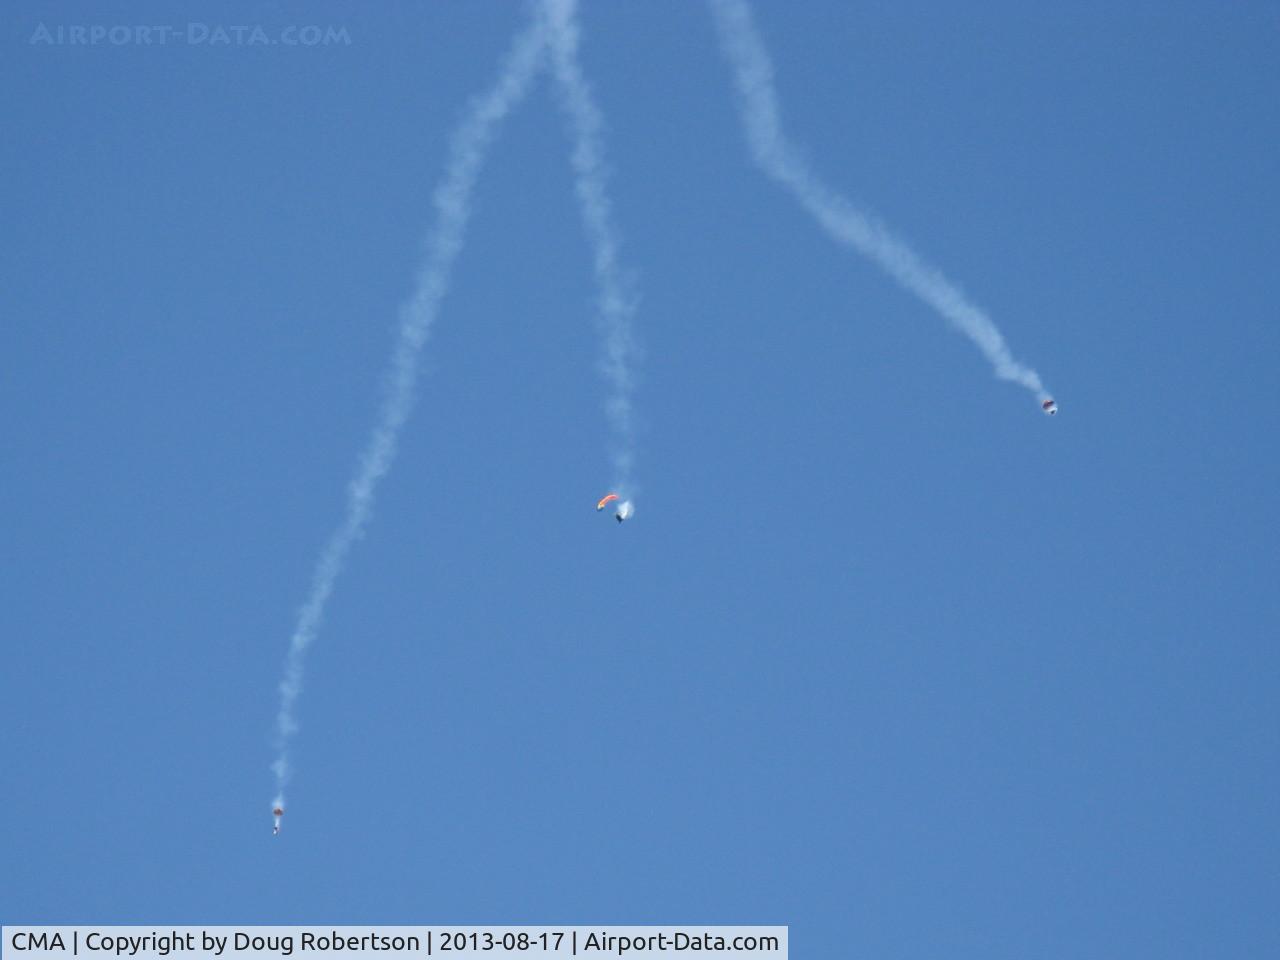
753 75
452 200
618 301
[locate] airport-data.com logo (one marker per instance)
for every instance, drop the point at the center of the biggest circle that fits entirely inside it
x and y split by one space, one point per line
188 35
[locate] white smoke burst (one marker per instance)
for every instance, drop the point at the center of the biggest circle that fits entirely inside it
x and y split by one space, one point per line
617 298
844 222
452 200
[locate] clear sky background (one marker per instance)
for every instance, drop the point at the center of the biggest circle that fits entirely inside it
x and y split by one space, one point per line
885 654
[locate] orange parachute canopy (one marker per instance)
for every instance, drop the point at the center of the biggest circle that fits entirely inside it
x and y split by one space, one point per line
606 499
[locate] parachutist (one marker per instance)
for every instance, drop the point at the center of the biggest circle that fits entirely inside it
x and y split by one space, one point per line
1049 406
277 811
624 508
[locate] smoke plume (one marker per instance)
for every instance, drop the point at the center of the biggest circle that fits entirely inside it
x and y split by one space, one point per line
617 298
844 222
452 200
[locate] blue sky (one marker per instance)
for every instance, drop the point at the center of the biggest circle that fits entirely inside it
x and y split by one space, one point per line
885 654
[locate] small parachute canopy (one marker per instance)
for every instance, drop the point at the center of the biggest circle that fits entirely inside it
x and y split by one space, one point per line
1049 406
607 498
277 811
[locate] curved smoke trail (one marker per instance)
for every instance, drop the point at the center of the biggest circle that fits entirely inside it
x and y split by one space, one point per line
758 100
618 301
452 199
